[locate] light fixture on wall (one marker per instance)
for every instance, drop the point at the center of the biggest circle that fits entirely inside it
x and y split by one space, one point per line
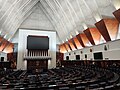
105 48
81 52
85 56
74 53
90 49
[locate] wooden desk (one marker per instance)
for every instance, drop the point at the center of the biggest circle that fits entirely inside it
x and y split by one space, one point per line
5 64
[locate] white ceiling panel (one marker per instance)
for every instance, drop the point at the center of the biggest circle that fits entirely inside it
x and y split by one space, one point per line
67 16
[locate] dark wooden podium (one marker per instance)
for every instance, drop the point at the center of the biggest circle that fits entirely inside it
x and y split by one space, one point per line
5 64
37 64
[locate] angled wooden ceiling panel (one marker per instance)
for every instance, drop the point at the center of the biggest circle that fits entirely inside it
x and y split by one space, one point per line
71 44
103 30
67 46
67 16
72 40
9 48
89 36
84 39
62 48
77 43
95 35
80 40
112 27
3 45
117 14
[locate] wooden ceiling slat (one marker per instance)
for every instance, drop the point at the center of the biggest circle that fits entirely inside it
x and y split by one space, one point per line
71 44
117 14
96 35
80 40
84 39
65 47
89 36
3 44
68 48
62 48
79 46
112 27
9 48
74 43
103 30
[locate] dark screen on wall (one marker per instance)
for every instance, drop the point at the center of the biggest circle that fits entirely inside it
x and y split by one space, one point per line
98 55
85 55
37 43
77 57
67 57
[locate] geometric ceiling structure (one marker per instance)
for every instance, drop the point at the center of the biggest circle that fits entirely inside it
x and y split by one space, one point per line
93 35
117 14
66 17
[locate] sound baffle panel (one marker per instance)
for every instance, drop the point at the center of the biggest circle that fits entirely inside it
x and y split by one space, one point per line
79 46
72 40
112 27
80 40
84 39
89 36
93 35
71 44
4 43
62 48
67 46
117 14
103 30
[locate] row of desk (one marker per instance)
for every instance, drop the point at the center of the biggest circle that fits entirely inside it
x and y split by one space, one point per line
5 64
101 63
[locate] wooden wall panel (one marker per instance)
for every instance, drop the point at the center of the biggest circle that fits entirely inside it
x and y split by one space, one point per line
59 57
89 36
103 30
112 27
78 45
117 14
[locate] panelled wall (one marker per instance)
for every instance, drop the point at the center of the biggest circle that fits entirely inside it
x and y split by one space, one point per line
105 30
105 38
111 53
96 42
23 33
